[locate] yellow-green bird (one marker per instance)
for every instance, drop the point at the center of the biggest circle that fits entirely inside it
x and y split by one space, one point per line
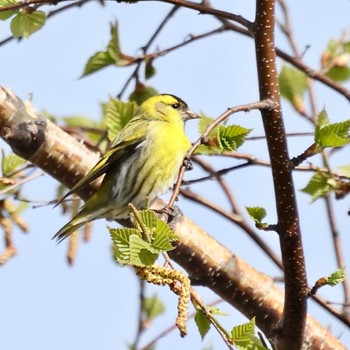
143 162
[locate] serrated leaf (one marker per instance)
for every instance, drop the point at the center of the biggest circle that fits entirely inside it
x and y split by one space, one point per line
25 24
331 135
293 84
117 114
336 277
162 235
202 322
142 93
222 138
318 186
244 337
10 163
322 119
141 253
256 213
121 243
97 61
334 135
231 137
153 307
163 238
4 15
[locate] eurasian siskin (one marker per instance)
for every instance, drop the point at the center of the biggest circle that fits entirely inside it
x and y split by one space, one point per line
143 162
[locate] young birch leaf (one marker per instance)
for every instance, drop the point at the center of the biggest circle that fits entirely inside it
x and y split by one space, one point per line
153 307
293 84
114 51
331 135
318 186
141 253
202 322
117 114
150 71
222 138
231 137
335 135
10 163
163 238
121 243
99 60
336 277
256 213
337 73
162 235
25 24
244 337
4 15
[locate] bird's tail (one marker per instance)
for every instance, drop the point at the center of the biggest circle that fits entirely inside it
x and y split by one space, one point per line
69 228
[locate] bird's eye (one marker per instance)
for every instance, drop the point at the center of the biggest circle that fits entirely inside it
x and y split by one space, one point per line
175 105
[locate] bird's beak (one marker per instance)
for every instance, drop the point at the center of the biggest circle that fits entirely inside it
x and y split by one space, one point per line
191 115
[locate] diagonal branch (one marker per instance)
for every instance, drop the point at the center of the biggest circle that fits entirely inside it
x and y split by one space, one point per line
61 156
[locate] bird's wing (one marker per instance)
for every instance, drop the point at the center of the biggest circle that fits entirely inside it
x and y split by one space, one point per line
108 159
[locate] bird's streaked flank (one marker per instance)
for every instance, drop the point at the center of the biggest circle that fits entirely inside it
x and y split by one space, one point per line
143 162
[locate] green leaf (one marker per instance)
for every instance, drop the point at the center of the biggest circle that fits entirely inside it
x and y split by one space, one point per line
339 73
10 163
121 243
203 124
150 71
322 119
244 337
331 135
256 213
7 14
345 169
153 307
162 235
25 24
293 84
141 253
117 114
99 60
335 135
336 277
142 93
231 137
130 247
114 51
346 47
222 138
202 322
318 186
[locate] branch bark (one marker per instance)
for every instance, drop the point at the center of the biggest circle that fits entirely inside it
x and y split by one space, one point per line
206 260
290 332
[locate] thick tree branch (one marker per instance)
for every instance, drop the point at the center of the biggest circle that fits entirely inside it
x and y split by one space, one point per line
205 260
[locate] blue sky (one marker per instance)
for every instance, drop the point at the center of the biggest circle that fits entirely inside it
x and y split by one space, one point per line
47 304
